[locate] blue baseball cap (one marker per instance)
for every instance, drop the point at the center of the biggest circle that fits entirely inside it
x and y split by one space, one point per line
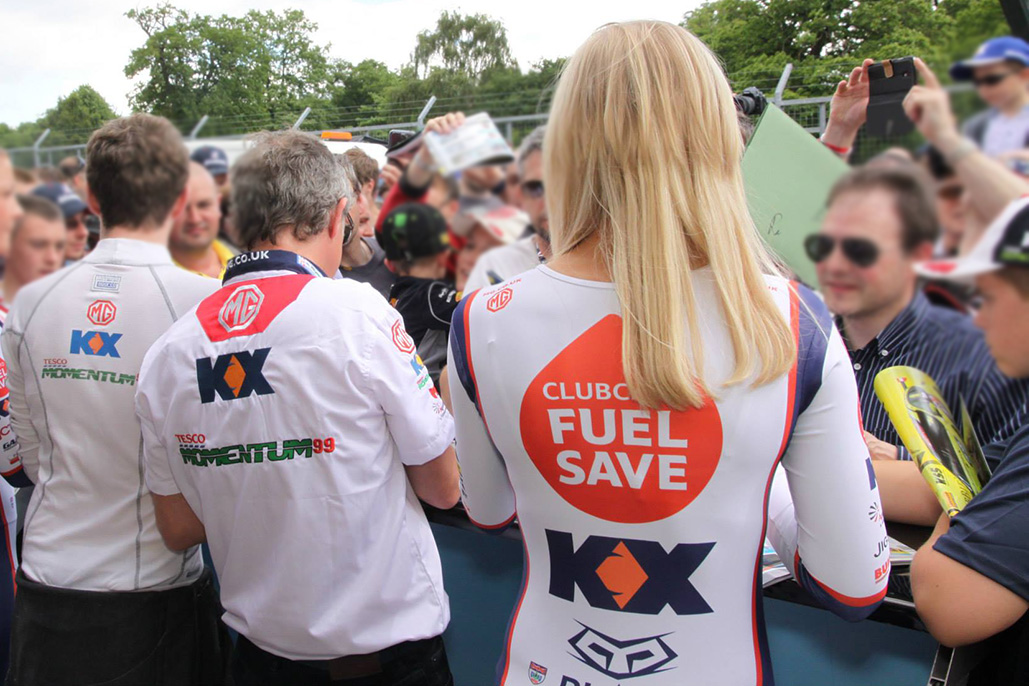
991 52
63 196
214 159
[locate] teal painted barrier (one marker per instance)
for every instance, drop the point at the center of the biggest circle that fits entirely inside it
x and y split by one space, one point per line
810 647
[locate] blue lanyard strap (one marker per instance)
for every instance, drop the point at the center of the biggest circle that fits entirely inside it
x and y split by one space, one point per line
268 261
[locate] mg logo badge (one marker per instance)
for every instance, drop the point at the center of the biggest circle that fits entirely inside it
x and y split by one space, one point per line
241 309
499 300
402 339
101 312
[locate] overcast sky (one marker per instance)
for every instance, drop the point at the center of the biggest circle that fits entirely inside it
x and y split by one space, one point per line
50 47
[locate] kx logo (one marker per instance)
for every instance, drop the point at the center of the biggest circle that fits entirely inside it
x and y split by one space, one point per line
96 343
627 575
232 376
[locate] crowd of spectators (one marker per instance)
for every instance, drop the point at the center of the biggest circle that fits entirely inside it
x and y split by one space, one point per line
422 240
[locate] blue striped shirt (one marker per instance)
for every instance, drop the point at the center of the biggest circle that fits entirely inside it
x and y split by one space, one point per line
947 346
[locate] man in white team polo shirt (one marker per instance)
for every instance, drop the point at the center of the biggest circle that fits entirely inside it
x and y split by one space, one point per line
289 423
101 599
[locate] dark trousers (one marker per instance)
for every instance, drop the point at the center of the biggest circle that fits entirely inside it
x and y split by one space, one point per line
63 637
414 663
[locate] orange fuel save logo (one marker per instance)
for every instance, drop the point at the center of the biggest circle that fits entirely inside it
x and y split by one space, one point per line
603 453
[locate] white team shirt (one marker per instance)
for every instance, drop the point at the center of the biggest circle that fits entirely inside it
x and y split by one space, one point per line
644 529
284 409
503 263
74 342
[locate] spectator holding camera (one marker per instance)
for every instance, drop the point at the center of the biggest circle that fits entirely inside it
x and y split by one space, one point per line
989 184
420 180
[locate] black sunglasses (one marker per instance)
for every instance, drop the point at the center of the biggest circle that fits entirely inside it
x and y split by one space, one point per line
533 189
991 79
349 230
860 251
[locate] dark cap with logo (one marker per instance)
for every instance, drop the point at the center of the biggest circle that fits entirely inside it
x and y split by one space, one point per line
63 196
214 159
413 231
1005 243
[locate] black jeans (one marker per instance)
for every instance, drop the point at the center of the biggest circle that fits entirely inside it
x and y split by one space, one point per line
415 663
63 637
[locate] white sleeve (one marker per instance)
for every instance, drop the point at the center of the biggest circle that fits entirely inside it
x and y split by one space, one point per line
486 489
417 419
20 419
831 532
157 468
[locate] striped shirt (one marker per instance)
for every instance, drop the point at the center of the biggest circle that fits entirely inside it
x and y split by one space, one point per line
947 346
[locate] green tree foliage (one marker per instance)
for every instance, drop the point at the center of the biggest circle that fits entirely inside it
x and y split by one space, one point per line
471 45
254 69
260 70
824 39
21 136
71 121
75 116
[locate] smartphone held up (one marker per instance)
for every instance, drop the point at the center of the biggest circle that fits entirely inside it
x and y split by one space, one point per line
889 82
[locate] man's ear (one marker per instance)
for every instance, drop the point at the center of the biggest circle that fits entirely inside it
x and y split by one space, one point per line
180 203
338 218
390 265
92 202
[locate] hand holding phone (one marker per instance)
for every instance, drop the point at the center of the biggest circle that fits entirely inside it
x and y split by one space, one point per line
889 83
928 106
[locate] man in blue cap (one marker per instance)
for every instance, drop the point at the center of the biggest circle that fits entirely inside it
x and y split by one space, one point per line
215 161
74 211
1000 71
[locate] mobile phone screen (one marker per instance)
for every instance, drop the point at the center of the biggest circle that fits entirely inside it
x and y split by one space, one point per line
888 84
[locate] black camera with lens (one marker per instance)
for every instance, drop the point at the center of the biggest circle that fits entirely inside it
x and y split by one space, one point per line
751 101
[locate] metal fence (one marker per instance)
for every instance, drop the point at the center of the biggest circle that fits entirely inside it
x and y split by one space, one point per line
811 113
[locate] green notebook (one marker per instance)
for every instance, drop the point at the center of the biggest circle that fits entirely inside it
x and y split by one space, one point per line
788 175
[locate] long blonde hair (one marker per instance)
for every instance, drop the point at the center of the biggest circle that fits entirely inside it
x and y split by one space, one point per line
643 149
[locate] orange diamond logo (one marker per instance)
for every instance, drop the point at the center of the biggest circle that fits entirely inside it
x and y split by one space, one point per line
622 575
96 343
234 376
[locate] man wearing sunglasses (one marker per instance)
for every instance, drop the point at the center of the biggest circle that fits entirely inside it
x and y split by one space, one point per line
879 223
75 211
508 261
1000 71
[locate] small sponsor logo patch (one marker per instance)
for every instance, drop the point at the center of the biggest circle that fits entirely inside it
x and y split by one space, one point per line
106 283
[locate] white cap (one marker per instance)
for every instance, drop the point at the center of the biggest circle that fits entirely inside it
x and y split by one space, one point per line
505 223
1005 243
